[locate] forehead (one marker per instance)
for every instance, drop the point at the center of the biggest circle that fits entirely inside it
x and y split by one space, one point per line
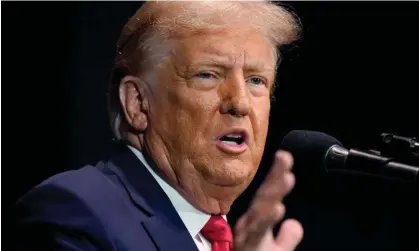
235 48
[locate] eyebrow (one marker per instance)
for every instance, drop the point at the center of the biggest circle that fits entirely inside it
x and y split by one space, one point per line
225 63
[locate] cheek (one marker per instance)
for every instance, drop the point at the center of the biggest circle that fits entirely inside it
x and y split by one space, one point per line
260 123
261 119
188 114
199 106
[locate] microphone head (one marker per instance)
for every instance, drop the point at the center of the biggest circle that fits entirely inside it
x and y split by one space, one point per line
308 141
308 149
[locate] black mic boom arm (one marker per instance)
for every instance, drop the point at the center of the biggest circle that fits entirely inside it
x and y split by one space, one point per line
339 159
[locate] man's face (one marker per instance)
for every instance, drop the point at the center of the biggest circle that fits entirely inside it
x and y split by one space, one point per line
210 106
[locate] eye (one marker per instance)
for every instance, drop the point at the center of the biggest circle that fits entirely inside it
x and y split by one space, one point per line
256 81
205 75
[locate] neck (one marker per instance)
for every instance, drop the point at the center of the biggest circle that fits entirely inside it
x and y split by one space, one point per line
204 196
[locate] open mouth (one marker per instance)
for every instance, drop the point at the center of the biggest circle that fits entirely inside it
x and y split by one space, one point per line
233 142
233 139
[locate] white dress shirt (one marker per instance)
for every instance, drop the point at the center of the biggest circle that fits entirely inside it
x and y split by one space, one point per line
193 219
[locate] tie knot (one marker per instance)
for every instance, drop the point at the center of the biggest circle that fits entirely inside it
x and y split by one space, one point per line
217 229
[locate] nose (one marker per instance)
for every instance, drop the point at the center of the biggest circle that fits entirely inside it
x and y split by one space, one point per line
236 98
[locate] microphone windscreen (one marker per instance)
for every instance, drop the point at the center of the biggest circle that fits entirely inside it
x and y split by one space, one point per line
308 149
308 141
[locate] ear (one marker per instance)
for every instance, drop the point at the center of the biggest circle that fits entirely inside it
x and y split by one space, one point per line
134 103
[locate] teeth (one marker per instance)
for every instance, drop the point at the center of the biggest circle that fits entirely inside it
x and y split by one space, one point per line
230 142
231 135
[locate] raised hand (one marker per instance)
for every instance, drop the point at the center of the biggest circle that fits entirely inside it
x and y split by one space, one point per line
254 228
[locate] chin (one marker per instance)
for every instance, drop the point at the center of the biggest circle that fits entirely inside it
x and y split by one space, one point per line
232 175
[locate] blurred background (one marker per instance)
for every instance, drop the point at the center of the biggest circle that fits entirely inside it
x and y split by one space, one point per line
353 75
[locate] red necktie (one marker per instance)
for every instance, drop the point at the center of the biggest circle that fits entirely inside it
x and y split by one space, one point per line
218 232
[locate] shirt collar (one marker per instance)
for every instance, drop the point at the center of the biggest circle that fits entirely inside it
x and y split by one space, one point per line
193 218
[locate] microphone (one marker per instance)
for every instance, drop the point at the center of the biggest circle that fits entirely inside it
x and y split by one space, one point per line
320 149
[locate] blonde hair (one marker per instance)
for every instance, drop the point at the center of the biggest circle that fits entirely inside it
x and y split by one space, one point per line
157 21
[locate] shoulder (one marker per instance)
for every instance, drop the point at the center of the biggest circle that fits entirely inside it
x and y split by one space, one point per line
86 208
92 189
101 207
78 187
60 212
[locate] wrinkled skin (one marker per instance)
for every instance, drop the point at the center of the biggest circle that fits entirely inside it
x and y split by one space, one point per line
201 91
206 86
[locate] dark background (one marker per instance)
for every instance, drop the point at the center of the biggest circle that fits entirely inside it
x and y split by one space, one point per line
353 75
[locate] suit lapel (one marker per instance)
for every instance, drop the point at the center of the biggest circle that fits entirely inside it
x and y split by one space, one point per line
169 237
164 225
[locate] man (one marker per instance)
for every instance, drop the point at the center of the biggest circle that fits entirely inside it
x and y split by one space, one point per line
189 102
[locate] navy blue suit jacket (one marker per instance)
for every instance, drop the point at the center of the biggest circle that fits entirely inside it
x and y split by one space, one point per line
115 205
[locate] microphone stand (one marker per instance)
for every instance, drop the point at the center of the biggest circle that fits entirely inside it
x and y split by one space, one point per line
403 148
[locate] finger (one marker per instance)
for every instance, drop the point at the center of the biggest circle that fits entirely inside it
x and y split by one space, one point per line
276 183
289 180
240 231
276 191
287 158
290 235
284 160
266 208
259 219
